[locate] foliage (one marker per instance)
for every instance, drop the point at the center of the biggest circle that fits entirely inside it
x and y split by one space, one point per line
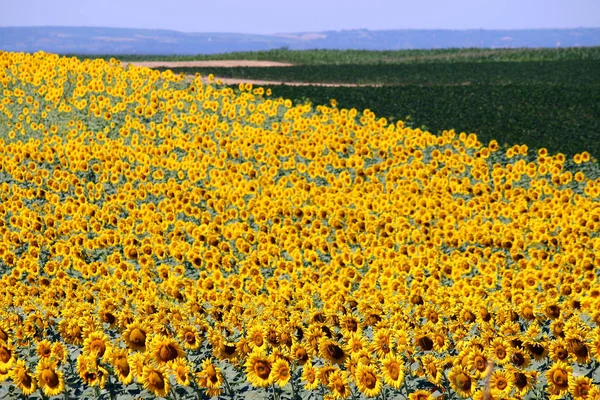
334 57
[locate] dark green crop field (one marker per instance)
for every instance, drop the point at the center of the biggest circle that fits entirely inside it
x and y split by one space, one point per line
329 57
564 73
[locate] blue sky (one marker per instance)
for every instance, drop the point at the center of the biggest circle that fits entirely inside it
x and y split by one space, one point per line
277 16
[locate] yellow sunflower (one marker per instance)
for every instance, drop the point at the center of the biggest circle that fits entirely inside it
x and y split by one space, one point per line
281 373
7 355
501 382
155 380
339 385
367 380
258 368
96 343
164 349
210 378
135 335
580 387
433 369
181 371
461 381
332 351
392 369
22 378
49 378
309 376
558 378
90 372
119 359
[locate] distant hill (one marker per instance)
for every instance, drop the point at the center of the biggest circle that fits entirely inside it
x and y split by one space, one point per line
91 40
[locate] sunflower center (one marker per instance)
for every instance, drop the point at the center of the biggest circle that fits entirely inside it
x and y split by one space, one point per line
167 353
262 369
190 338
335 351
24 377
370 380
560 378
3 335
520 380
500 353
579 348
301 355
122 365
137 337
394 370
463 382
425 343
518 359
258 339
501 384
155 380
97 346
50 378
480 363
5 354
211 373
561 354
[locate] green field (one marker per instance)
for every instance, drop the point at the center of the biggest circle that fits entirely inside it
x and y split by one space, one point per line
328 57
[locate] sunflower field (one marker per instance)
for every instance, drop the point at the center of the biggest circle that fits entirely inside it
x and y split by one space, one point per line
164 237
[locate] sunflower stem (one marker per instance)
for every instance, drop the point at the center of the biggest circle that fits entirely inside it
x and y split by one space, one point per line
229 390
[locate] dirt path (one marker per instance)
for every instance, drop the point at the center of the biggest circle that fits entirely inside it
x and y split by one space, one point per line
257 82
211 63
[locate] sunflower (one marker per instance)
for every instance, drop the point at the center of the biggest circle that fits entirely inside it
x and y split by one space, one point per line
367 380
558 378
210 378
524 381
258 368
49 378
164 349
155 380
557 350
96 343
59 352
433 370
256 337
90 372
189 336
281 372
479 363
461 381
331 351
579 349
300 353
421 394
309 376
382 342
355 342
135 335
499 351
392 369
501 382
520 358
181 371
338 384
7 355
44 348
22 378
118 358
580 387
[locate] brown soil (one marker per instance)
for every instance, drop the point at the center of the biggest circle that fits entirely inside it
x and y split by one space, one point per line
212 63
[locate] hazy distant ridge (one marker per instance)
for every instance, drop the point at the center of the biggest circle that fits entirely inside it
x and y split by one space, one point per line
86 40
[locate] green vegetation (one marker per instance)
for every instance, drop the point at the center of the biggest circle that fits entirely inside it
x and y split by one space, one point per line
564 73
336 57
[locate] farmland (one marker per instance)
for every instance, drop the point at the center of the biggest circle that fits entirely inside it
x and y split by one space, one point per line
161 236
